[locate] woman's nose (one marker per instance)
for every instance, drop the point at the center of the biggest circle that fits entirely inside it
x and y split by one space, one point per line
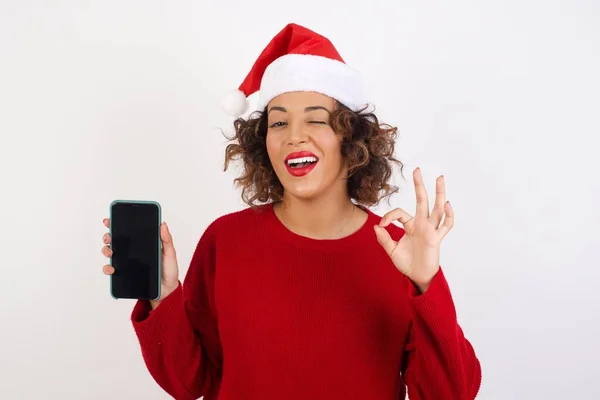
297 134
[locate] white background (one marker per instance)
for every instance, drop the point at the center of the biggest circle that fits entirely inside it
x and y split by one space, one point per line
120 99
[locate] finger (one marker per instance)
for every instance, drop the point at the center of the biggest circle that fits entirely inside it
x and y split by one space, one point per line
108 270
167 240
106 222
396 214
421 193
385 240
107 251
440 200
448 220
106 238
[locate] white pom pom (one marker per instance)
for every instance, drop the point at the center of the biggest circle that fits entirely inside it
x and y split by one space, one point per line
235 103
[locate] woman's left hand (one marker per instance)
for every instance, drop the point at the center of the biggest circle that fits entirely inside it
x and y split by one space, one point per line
417 253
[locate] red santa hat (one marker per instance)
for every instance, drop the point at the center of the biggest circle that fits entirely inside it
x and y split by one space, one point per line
298 59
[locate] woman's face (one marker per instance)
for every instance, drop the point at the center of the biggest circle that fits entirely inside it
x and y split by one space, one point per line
304 151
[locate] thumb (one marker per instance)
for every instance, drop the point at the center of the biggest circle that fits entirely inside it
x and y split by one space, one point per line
167 240
384 239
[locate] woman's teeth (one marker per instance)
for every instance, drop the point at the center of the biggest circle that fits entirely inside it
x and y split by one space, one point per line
301 161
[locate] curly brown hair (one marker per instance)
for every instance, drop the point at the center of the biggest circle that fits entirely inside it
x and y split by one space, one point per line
367 148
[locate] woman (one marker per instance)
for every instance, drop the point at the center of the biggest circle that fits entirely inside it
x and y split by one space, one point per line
307 294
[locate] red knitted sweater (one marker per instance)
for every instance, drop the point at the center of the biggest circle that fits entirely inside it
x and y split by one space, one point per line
264 313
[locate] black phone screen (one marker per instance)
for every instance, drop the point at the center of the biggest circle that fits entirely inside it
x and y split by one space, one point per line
135 242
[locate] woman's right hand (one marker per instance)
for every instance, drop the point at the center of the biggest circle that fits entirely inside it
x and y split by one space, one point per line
170 269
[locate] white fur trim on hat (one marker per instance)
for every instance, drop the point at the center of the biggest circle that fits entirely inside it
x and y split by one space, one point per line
301 72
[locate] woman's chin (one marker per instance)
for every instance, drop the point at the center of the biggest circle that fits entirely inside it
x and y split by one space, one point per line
304 190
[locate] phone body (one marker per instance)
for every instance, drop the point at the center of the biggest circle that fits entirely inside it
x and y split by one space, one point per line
137 249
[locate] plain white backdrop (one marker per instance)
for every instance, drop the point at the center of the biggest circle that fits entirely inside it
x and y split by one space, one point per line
102 100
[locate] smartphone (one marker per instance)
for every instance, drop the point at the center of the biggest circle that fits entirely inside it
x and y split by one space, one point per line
137 249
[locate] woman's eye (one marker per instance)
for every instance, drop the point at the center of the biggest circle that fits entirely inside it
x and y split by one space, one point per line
317 122
276 124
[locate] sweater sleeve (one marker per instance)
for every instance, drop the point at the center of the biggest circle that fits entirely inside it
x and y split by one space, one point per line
179 339
439 362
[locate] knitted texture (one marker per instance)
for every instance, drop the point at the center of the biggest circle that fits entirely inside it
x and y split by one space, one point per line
264 313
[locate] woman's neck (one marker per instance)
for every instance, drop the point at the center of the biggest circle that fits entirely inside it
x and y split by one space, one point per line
326 217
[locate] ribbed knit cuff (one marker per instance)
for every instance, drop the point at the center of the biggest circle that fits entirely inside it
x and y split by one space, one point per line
150 323
435 306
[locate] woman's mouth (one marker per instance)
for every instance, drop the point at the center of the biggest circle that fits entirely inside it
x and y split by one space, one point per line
301 165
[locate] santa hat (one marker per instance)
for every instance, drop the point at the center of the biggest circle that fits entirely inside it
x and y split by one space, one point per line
298 59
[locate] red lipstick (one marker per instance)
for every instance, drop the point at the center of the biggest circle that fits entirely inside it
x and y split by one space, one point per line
300 163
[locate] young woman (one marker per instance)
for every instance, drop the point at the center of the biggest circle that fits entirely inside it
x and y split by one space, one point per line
307 294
